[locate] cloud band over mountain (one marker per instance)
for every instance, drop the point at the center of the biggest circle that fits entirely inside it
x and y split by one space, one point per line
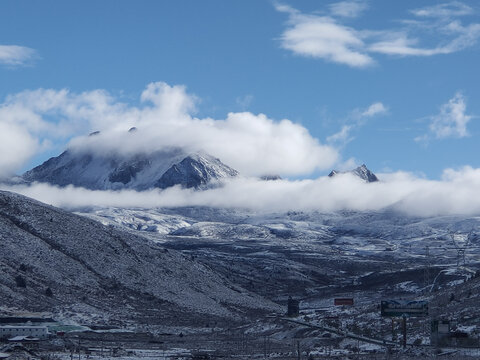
456 193
252 143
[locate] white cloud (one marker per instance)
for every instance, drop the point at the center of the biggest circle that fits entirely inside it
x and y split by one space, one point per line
14 55
244 101
451 122
170 101
327 38
252 143
404 46
375 109
450 9
347 165
455 193
322 37
31 120
348 8
342 137
17 146
400 44
360 117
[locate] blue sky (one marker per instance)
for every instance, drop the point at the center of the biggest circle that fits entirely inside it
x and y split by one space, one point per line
321 65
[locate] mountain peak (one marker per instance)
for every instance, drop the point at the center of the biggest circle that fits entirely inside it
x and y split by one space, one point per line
362 172
195 171
140 171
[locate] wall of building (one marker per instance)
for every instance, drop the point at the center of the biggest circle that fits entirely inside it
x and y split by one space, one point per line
34 331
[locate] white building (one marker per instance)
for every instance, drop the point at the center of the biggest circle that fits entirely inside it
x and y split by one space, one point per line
9 331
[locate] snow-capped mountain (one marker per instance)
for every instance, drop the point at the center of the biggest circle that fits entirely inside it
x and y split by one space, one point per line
195 170
141 171
362 172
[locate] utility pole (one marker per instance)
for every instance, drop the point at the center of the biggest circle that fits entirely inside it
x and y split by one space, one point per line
460 256
462 249
393 330
426 272
265 347
426 282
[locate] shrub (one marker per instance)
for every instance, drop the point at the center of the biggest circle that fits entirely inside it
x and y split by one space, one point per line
20 281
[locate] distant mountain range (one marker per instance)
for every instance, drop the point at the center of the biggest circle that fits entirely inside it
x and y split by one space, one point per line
165 168
362 172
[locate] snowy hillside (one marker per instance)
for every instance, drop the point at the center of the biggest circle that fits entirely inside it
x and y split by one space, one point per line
139 171
92 269
310 254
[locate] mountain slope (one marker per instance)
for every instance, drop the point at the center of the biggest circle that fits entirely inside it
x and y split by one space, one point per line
138 171
92 269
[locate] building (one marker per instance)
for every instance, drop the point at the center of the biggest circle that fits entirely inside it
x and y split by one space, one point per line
9 331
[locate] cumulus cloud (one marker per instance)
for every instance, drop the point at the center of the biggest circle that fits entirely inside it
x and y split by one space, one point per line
252 143
14 55
326 37
31 120
451 122
17 146
455 193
